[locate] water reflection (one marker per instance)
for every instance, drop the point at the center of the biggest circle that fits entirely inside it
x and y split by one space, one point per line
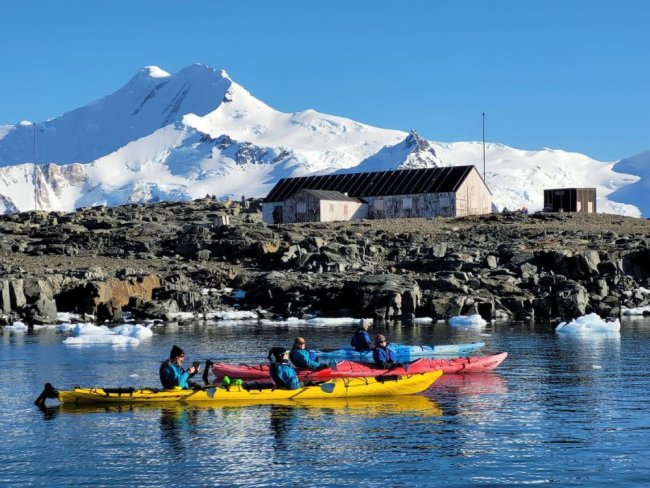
176 423
283 420
472 384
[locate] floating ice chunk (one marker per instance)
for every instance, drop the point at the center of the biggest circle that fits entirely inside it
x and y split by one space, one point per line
635 311
67 317
182 315
138 331
231 315
90 329
18 327
64 327
316 321
467 321
335 321
423 320
110 339
588 324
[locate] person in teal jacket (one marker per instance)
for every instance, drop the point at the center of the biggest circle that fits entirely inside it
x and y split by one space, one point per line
171 372
282 373
301 358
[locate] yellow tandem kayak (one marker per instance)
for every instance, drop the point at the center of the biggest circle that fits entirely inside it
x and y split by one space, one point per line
255 392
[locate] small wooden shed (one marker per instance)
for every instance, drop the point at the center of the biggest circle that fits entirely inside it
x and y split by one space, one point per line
570 200
308 205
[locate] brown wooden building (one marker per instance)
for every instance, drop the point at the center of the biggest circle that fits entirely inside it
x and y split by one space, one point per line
570 200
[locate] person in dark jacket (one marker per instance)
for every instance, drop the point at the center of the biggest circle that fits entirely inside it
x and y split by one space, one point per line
301 357
282 373
172 374
384 358
361 339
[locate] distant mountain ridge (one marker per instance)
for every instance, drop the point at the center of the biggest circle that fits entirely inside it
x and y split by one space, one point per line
197 132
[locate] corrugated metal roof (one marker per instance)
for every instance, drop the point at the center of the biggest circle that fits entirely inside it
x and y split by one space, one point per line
377 183
330 195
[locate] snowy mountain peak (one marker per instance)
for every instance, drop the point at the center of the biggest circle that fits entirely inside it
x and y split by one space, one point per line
181 136
154 72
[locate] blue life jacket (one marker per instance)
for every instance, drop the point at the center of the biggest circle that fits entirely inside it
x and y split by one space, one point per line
172 375
361 340
284 376
383 357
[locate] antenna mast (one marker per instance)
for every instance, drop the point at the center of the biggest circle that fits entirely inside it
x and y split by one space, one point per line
483 146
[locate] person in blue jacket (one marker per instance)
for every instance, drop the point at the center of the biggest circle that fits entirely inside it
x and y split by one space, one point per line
302 358
282 373
172 374
384 358
361 339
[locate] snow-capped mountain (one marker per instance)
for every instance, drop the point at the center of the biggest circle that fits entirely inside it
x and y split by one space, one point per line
197 132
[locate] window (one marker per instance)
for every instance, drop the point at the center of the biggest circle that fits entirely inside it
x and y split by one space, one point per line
301 207
379 204
407 203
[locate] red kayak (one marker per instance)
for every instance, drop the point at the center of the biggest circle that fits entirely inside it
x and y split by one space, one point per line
350 369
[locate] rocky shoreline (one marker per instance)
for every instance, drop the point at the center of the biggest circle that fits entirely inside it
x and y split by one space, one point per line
156 261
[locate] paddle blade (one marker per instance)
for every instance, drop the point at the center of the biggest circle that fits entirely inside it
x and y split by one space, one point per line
328 387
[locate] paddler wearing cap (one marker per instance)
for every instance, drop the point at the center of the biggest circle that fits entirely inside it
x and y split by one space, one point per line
282 373
172 374
384 358
302 358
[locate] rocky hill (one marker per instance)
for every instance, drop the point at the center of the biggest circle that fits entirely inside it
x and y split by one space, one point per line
156 260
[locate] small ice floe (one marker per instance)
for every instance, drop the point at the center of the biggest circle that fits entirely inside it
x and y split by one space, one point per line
17 327
423 320
316 321
64 327
67 317
597 366
589 324
467 321
231 315
182 316
337 321
635 311
122 335
134 330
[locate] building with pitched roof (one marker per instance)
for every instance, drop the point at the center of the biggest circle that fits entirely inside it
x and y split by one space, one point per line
452 191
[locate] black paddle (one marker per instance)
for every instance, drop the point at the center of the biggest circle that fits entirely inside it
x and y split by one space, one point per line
48 392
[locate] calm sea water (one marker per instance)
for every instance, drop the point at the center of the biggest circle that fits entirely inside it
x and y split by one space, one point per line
560 411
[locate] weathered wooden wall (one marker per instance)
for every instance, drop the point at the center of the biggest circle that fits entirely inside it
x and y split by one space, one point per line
473 197
306 208
333 210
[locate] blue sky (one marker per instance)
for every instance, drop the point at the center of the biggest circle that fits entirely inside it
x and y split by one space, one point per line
564 74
